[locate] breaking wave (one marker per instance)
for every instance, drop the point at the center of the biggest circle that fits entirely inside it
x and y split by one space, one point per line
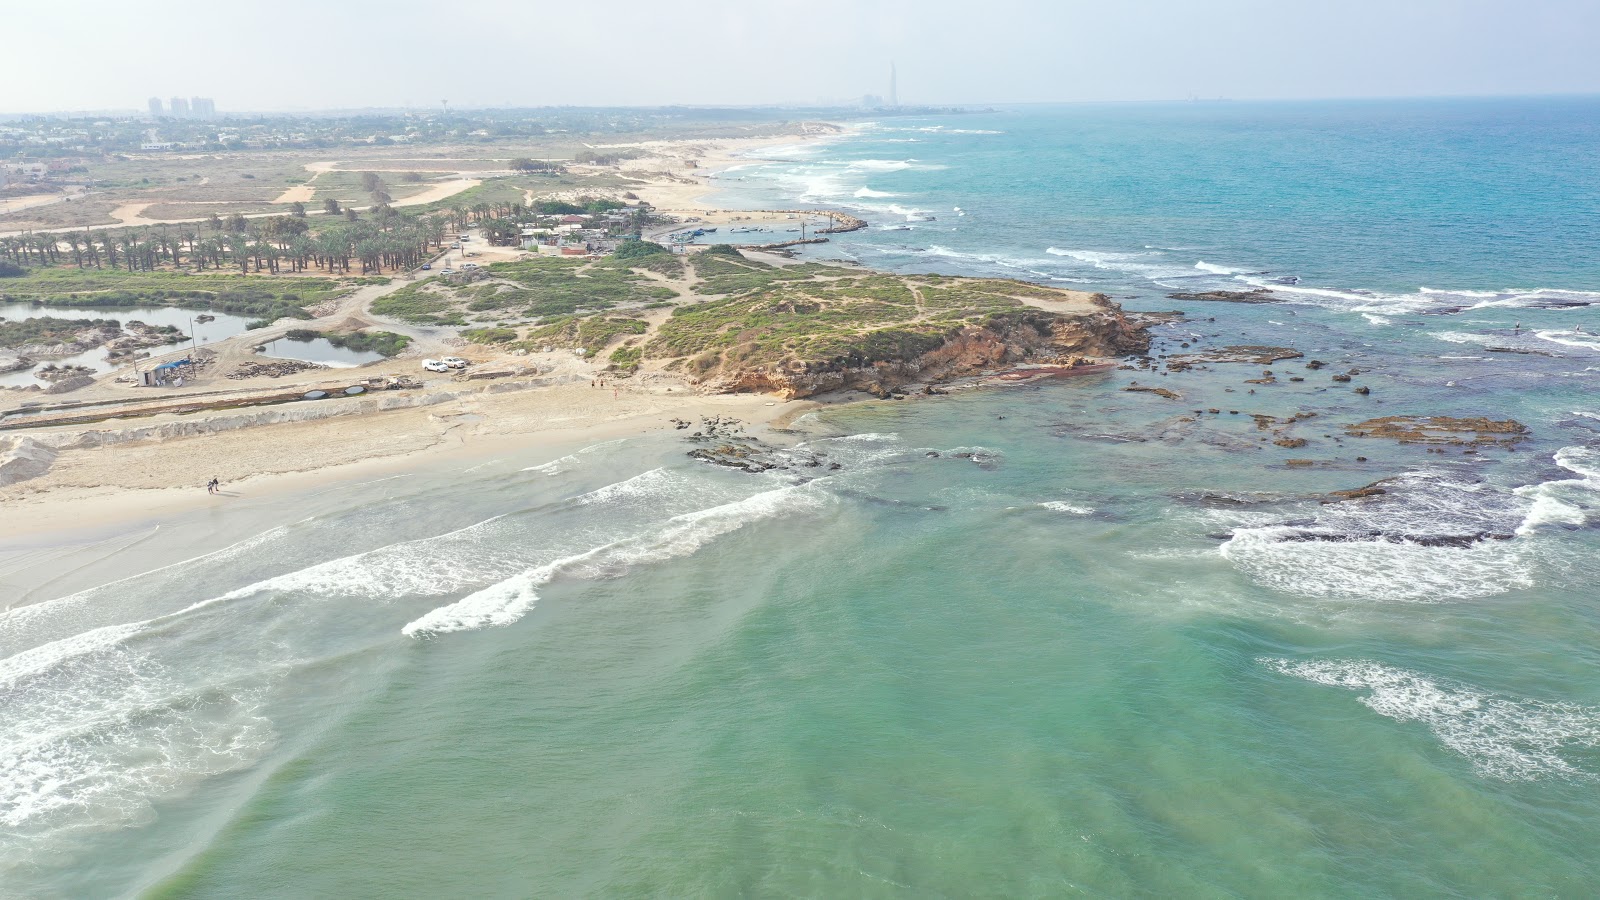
1428 538
1503 737
682 535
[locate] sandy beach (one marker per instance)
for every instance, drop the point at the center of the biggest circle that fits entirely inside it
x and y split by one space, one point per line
143 481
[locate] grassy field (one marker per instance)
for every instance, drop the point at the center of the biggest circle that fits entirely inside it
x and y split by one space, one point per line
246 295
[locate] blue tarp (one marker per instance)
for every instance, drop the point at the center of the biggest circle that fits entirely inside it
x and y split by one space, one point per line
173 365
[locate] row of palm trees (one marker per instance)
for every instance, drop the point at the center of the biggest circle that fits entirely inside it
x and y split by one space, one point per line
387 240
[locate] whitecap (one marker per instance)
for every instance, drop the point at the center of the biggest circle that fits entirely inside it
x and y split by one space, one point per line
1505 738
508 601
1430 538
1063 506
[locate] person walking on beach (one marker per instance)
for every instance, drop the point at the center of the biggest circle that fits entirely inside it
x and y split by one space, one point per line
213 486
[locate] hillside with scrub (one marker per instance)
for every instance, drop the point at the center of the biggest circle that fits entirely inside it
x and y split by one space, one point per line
727 321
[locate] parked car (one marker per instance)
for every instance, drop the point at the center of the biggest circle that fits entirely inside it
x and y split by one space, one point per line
455 362
427 266
448 271
456 246
434 365
469 265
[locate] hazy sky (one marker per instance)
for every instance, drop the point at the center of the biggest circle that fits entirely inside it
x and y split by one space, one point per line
314 54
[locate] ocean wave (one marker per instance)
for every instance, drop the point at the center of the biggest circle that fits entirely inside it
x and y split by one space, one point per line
1022 264
554 466
1429 538
39 623
508 601
1577 340
1063 506
1506 738
1150 265
1564 501
869 193
96 727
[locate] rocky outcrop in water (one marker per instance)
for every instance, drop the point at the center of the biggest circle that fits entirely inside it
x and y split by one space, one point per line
1259 295
728 446
1445 430
1252 354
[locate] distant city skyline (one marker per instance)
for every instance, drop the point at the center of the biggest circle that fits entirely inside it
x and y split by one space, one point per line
1013 51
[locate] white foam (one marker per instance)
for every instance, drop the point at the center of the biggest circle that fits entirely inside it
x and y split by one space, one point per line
1571 339
1063 506
1391 547
1505 738
656 484
508 601
554 466
84 610
868 193
1204 266
1564 501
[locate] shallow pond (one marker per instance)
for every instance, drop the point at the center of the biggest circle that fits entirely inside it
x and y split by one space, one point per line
221 327
319 351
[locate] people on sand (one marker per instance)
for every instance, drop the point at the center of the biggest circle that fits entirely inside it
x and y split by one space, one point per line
213 486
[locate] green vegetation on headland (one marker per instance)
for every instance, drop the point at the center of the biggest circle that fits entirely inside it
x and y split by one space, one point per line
528 290
626 358
752 325
385 343
592 333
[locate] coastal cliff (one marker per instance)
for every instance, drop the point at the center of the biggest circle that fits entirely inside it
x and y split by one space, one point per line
1035 336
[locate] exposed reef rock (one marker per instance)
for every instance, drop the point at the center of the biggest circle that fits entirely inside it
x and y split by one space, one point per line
1259 295
1441 430
730 447
1247 353
1159 392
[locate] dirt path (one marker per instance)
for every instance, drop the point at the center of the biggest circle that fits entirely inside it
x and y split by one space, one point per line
300 193
439 192
131 214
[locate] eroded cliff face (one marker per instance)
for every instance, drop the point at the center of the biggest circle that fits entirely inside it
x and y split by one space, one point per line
1032 336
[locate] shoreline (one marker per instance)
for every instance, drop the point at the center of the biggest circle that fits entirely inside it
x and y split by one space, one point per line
92 490
129 472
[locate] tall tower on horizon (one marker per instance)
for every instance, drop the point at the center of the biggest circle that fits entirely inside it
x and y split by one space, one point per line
894 89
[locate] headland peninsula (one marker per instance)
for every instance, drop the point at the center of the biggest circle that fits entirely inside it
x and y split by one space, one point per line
387 304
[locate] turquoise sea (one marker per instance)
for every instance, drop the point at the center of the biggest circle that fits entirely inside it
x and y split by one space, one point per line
1049 640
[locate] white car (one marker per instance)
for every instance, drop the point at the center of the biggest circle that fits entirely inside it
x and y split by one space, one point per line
469 265
434 365
447 271
455 362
